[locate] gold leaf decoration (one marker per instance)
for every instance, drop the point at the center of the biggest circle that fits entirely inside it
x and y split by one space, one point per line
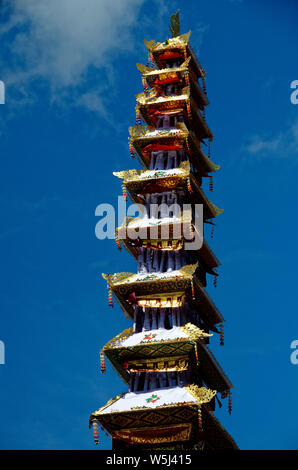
136 131
150 44
143 68
127 174
117 277
189 269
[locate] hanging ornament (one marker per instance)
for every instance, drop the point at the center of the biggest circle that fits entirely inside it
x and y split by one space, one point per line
188 108
204 114
200 421
138 116
151 59
221 335
124 192
145 85
187 143
102 363
131 151
196 354
211 187
118 243
110 296
184 54
230 402
186 77
192 290
189 188
95 433
215 280
212 230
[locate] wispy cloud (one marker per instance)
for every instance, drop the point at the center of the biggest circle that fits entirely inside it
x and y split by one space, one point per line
59 43
281 145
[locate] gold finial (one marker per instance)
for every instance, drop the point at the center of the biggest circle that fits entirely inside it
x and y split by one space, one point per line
175 25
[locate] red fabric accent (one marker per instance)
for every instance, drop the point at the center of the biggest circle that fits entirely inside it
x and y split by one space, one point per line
132 298
167 80
169 55
155 147
156 112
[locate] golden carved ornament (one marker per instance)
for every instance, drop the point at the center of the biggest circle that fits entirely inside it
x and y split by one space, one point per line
175 25
201 394
137 131
143 68
117 277
188 270
110 402
194 332
150 44
123 335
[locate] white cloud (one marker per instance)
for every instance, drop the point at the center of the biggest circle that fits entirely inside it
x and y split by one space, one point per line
60 39
277 146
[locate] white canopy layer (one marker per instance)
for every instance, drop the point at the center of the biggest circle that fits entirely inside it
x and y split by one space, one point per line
152 399
153 276
152 335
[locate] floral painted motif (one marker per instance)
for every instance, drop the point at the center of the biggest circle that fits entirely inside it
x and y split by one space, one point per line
149 336
154 397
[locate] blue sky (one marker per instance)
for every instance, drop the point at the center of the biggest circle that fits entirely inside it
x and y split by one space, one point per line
70 76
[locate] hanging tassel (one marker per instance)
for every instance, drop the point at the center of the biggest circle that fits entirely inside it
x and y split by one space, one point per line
184 54
102 363
192 290
124 192
151 59
221 335
186 77
187 143
200 421
204 115
196 354
118 244
131 151
138 116
110 296
215 280
95 433
188 108
230 402
145 85
212 231
189 188
211 184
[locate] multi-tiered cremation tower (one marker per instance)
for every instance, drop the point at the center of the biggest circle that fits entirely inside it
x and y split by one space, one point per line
173 377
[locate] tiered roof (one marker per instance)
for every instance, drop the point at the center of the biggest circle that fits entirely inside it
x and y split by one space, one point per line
172 414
